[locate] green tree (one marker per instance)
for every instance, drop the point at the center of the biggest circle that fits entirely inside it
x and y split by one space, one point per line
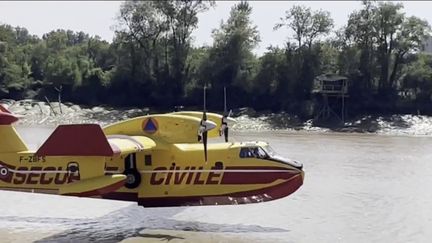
417 81
307 25
309 58
15 46
181 18
359 37
231 62
383 29
157 35
413 32
271 82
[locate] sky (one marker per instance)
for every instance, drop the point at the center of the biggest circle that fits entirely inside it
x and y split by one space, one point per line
99 17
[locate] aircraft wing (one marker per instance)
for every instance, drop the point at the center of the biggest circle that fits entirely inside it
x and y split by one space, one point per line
123 144
214 117
163 128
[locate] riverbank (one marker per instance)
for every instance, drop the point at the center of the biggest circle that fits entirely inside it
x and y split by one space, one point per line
32 112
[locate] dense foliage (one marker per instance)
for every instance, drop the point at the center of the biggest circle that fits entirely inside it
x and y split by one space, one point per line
151 61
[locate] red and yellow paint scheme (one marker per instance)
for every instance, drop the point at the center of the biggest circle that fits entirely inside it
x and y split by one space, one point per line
154 160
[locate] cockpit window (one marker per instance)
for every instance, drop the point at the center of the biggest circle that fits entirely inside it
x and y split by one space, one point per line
253 152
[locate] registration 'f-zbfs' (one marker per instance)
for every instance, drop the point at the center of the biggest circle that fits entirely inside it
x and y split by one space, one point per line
155 160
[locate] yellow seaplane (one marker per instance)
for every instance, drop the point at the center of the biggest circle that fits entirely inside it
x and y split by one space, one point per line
156 160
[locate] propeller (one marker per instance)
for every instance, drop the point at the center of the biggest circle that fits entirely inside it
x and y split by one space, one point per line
224 124
203 130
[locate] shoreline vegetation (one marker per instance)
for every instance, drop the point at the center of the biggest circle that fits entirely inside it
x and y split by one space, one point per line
151 62
40 113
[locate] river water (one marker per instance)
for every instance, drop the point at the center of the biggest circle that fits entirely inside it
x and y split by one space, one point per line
358 188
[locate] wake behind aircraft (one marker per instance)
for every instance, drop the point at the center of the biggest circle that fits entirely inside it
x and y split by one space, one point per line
156 160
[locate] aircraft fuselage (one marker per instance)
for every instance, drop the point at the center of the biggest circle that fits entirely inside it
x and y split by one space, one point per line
180 176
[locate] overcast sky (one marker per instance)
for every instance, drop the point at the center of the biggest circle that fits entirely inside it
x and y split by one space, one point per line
98 17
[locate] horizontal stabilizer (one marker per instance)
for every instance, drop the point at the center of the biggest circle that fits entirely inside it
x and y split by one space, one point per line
76 140
93 186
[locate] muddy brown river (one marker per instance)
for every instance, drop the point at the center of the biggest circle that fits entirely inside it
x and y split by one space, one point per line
358 188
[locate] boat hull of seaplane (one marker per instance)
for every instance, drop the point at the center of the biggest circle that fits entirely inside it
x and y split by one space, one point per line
266 191
261 189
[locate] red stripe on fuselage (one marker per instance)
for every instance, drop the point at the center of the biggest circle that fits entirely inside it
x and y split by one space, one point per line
230 177
122 196
99 191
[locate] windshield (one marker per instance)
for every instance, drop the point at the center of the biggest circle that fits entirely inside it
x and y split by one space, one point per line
266 153
269 150
253 152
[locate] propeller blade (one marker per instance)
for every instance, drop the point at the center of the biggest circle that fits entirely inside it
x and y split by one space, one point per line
226 134
205 145
224 123
231 120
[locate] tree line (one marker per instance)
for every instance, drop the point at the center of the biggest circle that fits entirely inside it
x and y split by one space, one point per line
151 61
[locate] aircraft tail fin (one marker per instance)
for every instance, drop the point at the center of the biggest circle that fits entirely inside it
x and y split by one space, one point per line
10 141
77 140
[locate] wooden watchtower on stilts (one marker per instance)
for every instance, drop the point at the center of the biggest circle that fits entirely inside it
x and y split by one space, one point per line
332 89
